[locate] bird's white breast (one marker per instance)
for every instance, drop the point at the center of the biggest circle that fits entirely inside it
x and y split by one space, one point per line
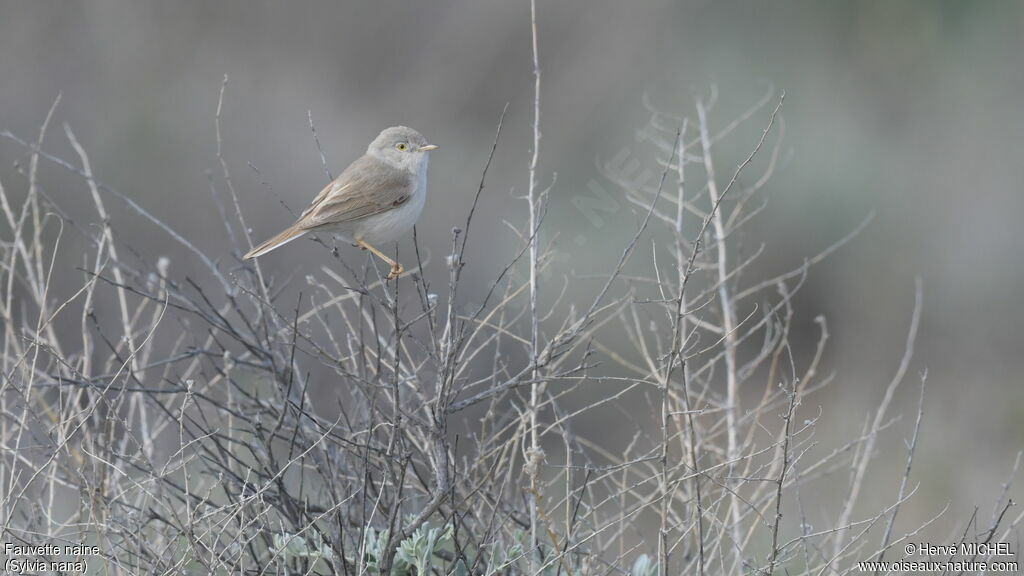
393 224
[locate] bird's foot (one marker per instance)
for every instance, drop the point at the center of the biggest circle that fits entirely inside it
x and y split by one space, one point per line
396 271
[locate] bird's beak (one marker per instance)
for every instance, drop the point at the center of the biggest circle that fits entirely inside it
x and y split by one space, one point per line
427 148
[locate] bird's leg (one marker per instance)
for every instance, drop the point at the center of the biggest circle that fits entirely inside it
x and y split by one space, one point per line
396 268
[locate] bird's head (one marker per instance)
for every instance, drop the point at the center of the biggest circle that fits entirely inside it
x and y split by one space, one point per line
401 146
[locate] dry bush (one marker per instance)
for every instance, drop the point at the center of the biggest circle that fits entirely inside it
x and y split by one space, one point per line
179 433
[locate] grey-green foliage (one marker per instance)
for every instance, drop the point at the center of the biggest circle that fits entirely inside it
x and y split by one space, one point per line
414 556
501 559
311 547
644 566
553 564
418 550
373 552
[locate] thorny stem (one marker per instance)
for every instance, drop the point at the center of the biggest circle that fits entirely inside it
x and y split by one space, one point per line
678 328
534 454
728 314
911 449
860 467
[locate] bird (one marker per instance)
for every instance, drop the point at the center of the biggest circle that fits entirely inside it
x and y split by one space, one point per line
374 201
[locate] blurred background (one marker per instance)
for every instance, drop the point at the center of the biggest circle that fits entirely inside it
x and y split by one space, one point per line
910 110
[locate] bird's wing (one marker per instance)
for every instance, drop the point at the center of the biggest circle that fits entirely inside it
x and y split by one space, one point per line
367 187
331 187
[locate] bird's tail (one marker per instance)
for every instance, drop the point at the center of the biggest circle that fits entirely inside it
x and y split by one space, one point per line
289 234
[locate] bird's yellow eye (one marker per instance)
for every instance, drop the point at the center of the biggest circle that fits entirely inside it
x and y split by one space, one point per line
402 146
